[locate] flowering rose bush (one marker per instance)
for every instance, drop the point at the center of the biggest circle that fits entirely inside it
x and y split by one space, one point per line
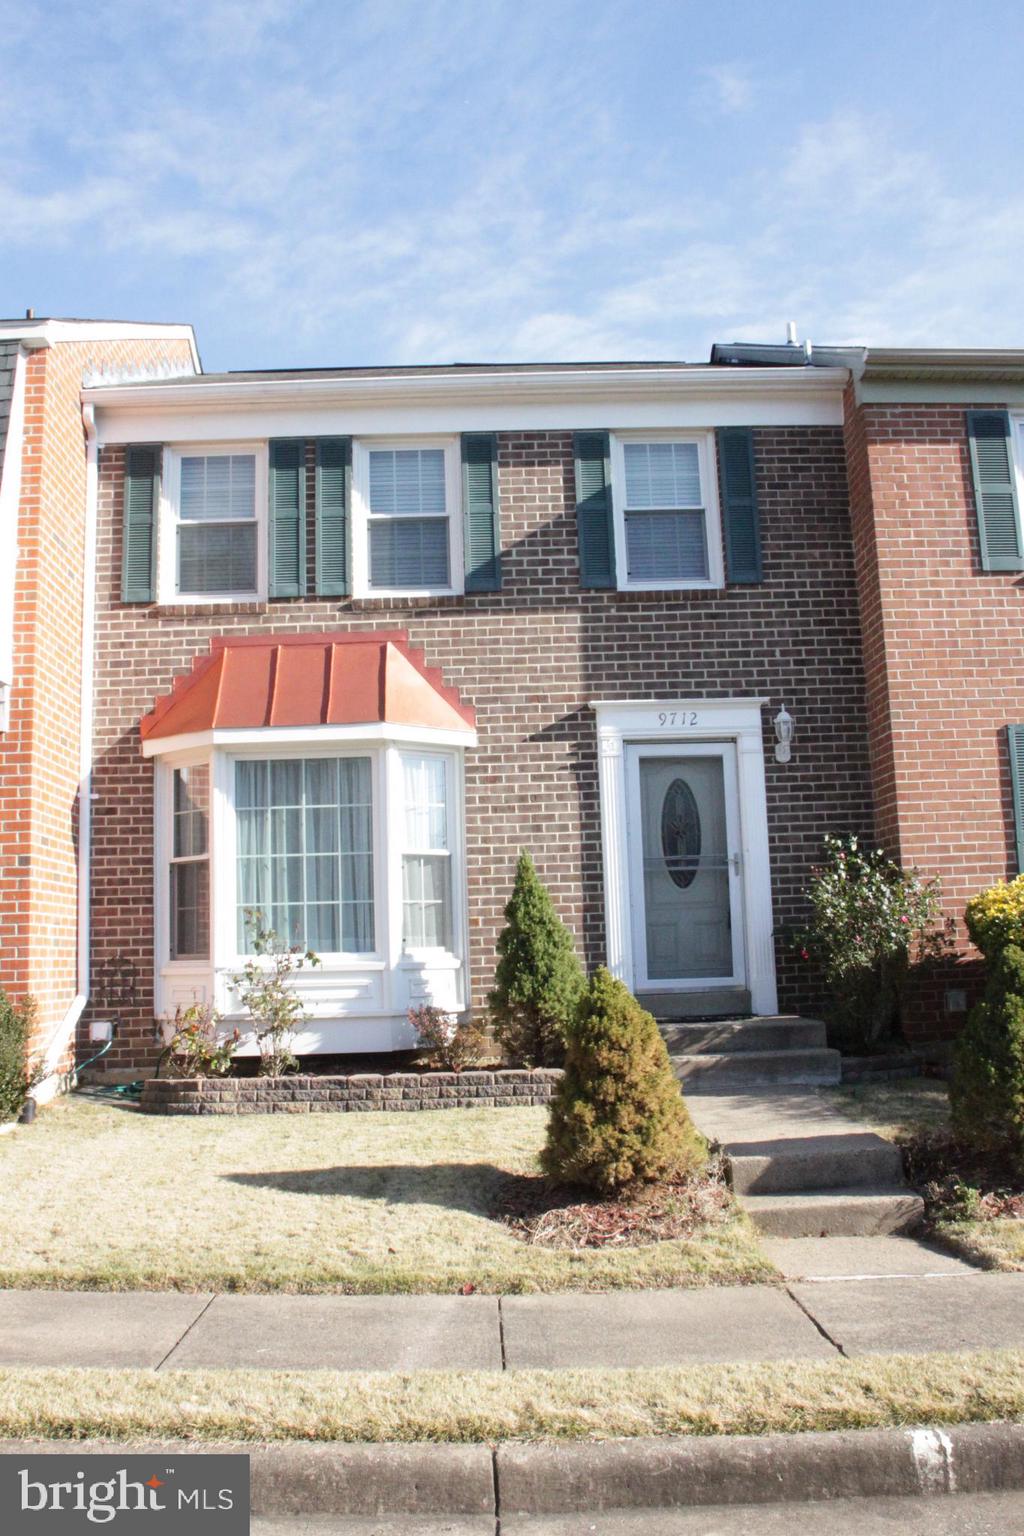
871 921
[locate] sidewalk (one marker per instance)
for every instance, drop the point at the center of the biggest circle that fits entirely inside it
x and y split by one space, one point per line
810 1319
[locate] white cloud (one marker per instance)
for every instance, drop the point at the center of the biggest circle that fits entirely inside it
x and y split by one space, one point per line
730 87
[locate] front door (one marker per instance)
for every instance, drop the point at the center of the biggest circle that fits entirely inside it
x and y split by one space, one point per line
685 870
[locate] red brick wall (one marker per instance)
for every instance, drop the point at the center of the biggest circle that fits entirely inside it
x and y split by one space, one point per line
943 645
531 659
39 756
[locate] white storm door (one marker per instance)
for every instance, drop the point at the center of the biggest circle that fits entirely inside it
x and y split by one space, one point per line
685 874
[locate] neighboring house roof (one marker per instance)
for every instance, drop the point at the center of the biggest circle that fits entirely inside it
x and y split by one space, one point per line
417 370
308 680
46 330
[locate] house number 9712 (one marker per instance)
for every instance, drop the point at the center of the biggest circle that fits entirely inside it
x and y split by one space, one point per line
677 717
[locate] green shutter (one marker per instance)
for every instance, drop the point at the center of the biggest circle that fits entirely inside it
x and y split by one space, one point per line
287 517
333 480
141 499
594 510
995 491
1015 740
740 516
481 529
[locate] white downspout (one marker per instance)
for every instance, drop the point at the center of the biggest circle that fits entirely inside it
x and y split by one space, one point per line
54 1081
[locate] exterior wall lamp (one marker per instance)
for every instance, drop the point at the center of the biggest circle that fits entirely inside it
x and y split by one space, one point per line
783 723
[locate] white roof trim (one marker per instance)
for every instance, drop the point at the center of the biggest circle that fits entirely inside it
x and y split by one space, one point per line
267 738
607 383
36 334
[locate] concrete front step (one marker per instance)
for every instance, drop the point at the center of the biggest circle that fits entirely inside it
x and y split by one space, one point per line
836 1212
709 1003
756 1069
811 1163
724 1036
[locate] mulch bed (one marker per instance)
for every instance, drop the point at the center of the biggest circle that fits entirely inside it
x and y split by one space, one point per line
956 1179
576 1218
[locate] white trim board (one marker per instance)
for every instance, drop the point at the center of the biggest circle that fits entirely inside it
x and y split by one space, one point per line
686 721
39 334
299 739
305 416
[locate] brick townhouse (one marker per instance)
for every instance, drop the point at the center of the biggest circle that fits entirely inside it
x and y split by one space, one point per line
355 636
47 454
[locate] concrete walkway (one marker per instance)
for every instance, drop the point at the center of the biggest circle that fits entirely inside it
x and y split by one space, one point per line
800 1168
901 1312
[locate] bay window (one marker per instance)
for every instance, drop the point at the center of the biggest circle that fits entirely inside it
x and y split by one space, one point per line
426 853
190 864
305 852
355 853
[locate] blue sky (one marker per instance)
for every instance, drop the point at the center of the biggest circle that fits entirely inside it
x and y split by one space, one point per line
456 180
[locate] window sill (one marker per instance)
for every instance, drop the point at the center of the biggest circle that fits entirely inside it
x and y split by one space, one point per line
328 964
187 607
433 959
671 586
396 594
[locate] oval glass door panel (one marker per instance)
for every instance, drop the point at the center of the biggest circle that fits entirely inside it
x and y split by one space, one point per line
680 833
686 868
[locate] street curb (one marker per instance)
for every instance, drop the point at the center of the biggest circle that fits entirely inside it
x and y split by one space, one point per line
551 1478
332 1478
766 1469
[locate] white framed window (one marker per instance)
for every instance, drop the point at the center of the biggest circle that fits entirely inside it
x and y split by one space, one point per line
426 852
1017 448
213 534
667 521
189 906
304 852
406 519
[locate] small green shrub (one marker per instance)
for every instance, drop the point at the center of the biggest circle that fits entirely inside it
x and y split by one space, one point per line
16 1078
453 1043
618 1116
871 921
539 980
995 918
987 1088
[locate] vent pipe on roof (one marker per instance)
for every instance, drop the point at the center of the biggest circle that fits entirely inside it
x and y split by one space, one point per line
30 314
791 333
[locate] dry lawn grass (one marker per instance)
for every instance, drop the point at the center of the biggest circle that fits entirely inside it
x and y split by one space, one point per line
97 1195
897 1108
779 1397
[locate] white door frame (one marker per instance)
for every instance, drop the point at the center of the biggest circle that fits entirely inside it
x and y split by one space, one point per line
726 752
675 722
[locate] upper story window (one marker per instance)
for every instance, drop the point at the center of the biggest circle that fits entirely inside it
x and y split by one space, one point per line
213 535
406 531
665 496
